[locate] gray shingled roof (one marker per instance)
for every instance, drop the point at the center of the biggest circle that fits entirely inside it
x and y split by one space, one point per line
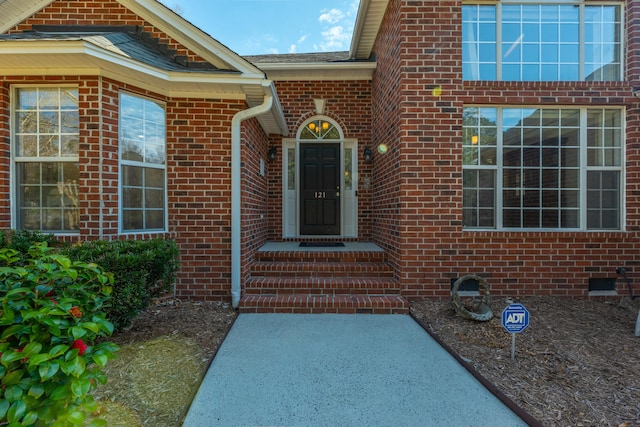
123 44
300 58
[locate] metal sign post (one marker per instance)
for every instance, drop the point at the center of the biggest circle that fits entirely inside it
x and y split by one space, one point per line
515 319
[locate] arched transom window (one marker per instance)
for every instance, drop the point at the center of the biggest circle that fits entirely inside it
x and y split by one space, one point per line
320 129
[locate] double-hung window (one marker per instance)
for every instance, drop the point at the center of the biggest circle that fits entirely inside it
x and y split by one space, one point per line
143 205
45 154
542 168
545 41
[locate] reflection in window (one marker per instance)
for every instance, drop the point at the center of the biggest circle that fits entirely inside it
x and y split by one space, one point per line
142 158
46 123
291 168
539 181
542 42
348 169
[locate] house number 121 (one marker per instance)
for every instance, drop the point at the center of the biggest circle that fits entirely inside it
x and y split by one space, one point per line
320 194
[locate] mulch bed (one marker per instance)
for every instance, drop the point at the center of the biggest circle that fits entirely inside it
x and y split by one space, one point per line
575 365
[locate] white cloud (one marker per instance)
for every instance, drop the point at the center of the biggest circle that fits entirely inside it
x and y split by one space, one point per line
338 27
334 38
332 16
293 48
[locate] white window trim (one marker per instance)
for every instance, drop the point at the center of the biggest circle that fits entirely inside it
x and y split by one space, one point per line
13 182
581 53
584 169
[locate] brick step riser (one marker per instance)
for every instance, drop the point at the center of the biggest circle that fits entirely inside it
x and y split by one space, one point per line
325 292
300 274
321 257
322 284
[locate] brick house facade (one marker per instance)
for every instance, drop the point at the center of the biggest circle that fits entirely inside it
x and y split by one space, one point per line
400 112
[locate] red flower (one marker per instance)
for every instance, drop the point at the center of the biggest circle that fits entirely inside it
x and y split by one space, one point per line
75 312
81 346
50 293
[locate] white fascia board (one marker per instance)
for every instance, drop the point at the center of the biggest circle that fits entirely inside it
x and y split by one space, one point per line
319 71
358 26
188 34
102 62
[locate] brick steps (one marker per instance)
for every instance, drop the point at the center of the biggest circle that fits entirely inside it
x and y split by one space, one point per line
320 269
308 281
322 286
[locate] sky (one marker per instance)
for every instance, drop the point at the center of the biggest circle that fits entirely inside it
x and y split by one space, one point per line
255 27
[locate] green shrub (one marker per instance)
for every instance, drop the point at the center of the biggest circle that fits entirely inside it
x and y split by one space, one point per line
142 269
22 240
51 317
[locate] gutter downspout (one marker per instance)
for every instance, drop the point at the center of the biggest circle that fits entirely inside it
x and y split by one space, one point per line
236 199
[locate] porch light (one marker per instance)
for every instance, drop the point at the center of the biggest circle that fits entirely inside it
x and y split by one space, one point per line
272 154
312 126
325 125
368 155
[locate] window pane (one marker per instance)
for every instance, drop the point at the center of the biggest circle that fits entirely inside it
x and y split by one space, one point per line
291 168
48 196
603 200
542 42
143 152
348 168
46 122
46 126
478 198
541 167
479 42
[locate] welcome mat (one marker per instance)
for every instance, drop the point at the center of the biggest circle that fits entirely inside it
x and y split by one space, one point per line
321 244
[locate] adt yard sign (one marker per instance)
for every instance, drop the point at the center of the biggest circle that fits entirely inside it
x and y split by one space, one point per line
515 318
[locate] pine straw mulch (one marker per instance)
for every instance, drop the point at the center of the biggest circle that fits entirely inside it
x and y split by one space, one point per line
163 357
577 364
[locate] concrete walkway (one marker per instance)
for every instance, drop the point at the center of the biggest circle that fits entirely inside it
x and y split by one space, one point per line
339 370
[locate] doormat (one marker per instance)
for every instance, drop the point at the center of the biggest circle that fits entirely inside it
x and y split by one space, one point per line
321 244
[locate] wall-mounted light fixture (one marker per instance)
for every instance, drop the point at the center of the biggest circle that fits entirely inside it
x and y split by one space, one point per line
272 154
368 155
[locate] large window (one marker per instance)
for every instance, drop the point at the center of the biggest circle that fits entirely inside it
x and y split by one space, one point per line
142 164
546 168
45 152
542 42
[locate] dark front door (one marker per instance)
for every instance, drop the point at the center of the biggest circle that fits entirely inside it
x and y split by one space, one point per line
320 189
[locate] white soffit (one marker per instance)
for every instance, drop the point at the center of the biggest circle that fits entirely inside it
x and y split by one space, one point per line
370 14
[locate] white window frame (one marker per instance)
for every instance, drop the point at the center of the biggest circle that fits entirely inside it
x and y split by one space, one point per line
581 54
584 169
15 159
143 165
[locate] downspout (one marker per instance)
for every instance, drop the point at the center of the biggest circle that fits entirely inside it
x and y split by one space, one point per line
236 199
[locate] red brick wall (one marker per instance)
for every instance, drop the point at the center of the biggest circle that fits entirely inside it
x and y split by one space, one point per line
434 248
198 172
349 104
254 191
385 176
198 160
98 12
